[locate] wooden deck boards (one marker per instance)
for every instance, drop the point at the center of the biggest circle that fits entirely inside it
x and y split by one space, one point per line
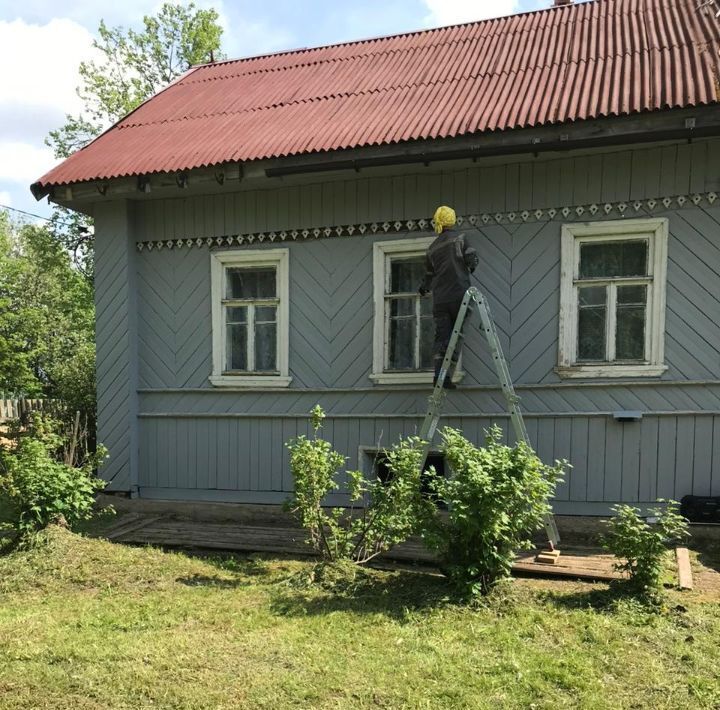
575 562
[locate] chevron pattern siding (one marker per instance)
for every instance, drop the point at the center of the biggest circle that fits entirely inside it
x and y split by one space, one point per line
197 442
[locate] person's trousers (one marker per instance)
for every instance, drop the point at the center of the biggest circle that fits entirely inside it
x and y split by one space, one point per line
444 315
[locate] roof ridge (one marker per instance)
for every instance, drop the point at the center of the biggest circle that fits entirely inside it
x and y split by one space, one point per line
408 33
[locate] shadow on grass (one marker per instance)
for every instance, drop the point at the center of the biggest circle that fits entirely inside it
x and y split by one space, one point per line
396 595
709 555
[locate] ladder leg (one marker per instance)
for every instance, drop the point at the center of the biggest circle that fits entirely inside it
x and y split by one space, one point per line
503 373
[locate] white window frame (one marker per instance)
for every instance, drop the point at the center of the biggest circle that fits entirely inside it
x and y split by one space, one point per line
573 235
219 263
382 253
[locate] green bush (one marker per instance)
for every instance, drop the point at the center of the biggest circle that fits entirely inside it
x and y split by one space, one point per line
643 544
380 515
39 487
497 497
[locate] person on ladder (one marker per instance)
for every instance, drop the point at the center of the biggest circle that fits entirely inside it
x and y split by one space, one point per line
448 265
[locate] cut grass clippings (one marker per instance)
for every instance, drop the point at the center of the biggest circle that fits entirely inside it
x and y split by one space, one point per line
85 623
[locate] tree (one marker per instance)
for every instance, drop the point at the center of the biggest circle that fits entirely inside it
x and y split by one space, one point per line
46 314
133 66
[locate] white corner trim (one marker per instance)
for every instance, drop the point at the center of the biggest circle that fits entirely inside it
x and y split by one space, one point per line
256 257
251 381
596 371
572 235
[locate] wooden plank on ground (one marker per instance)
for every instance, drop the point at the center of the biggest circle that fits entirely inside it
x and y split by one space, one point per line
685 578
574 563
130 525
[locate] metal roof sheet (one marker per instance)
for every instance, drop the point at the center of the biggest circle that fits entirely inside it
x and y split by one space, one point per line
569 63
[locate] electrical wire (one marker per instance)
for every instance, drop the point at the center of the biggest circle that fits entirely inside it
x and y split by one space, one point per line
37 216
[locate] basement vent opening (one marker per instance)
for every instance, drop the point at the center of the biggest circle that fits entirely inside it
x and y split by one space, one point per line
435 460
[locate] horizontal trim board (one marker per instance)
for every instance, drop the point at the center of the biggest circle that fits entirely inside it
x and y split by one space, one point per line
450 415
423 388
564 507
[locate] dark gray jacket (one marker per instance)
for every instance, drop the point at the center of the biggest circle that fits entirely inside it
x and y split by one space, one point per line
448 265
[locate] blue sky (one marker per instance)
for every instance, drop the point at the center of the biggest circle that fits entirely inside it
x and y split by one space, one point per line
42 44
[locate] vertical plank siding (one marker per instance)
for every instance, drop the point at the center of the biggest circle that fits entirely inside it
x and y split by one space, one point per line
198 442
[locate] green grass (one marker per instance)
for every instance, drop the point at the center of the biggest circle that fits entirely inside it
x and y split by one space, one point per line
89 624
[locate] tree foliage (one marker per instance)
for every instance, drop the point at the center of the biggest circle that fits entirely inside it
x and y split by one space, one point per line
642 544
497 496
131 67
46 316
381 514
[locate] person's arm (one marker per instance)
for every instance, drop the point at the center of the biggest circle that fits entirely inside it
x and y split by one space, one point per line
469 255
426 285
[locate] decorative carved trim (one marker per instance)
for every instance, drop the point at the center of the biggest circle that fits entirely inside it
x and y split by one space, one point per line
563 214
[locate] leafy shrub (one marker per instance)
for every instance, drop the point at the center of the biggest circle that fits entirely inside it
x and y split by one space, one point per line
497 497
643 544
39 487
380 515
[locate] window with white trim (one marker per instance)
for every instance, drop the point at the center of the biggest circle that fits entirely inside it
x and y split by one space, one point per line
612 304
404 328
250 318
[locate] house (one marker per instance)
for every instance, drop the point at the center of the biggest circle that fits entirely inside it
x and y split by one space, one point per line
260 226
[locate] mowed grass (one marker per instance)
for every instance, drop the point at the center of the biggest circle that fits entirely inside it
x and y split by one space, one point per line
85 623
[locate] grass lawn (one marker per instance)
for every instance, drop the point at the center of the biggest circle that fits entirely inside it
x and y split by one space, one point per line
85 623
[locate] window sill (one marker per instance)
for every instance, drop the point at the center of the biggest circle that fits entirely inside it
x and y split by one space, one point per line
409 378
609 371
250 381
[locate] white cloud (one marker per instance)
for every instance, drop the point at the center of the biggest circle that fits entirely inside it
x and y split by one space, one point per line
37 89
24 163
451 12
42 62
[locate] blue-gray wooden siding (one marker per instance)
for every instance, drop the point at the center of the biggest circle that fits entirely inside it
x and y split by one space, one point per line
201 443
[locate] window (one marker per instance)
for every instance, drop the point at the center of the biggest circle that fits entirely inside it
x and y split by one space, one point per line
612 309
250 318
404 329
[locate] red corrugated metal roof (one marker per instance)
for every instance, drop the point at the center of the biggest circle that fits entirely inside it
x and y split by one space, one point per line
583 61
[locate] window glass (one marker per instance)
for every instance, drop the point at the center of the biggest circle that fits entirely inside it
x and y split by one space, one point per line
592 318
236 347
401 350
265 347
630 327
251 283
406 274
614 259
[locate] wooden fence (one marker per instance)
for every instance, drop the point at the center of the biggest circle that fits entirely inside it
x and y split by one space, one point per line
14 408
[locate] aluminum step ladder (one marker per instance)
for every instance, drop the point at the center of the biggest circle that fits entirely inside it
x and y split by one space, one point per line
437 398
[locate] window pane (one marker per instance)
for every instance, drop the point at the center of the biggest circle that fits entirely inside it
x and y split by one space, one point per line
426 306
236 315
406 274
265 347
236 347
401 350
635 295
592 314
427 336
251 283
402 307
613 259
265 314
630 333
592 296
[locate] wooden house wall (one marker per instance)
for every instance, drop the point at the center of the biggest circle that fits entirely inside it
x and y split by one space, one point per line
197 442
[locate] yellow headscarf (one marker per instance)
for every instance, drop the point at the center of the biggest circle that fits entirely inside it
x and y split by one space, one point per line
444 218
